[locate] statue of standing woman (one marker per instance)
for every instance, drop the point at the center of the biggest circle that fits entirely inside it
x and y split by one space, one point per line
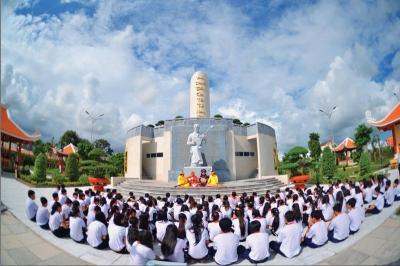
195 140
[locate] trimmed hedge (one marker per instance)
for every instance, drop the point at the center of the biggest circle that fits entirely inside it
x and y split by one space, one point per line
72 168
40 168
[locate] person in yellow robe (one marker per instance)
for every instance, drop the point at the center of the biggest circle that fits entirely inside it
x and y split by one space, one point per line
182 180
213 179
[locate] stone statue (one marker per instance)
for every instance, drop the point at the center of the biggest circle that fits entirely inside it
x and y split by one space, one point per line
195 140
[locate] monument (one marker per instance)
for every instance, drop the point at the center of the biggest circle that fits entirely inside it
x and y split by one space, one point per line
233 152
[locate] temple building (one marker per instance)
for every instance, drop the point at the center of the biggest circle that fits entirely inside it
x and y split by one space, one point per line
233 151
390 122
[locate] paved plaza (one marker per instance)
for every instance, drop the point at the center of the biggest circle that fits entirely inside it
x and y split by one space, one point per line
25 243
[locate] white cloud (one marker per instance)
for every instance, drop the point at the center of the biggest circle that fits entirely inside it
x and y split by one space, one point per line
133 61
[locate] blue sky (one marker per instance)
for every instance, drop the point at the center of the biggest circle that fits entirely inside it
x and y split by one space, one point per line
276 62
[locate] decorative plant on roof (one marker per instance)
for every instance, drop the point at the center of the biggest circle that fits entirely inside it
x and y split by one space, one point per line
296 161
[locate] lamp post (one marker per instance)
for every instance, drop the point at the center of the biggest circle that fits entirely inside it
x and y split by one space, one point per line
396 96
94 119
329 115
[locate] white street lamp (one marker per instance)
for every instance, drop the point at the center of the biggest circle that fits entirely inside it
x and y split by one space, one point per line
329 115
94 119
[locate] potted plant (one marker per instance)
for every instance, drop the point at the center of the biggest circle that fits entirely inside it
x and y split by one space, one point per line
97 178
297 163
97 175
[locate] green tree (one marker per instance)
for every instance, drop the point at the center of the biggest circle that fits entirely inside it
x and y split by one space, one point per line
104 145
50 145
117 160
72 168
39 147
218 116
296 161
97 154
68 137
178 116
314 146
84 147
40 168
236 121
160 123
365 165
246 124
329 168
150 125
361 138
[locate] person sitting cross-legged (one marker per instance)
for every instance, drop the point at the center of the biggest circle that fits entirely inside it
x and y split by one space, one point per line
377 206
339 226
255 251
288 242
226 244
316 234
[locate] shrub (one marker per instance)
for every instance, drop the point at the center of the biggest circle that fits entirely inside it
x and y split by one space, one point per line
328 163
40 168
72 169
88 163
83 180
365 164
97 154
342 175
58 178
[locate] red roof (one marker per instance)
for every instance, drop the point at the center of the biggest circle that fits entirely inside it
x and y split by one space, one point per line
70 148
391 119
346 145
10 128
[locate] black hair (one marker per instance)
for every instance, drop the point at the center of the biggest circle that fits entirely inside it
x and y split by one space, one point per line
337 207
352 202
378 189
255 213
242 223
297 213
162 216
43 200
254 226
169 241
388 183
396 181
206 208
101 217
267 207
167 194
325 199
289 216
54 207
226 225
144 221
184 208
146 239
197 228
133 231
275 222
118 219
63 191
96 200
31 192
316 214
102 201
215 216
181 226
111 212
234 193
68 201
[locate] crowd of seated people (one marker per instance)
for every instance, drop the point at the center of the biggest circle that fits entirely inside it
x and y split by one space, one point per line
236 225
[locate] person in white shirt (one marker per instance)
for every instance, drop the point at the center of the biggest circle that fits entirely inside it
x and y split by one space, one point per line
177 208
289 239
256 216
354 215
240 224
161 225
367 193
142 250
316 234
66 209
57 224
198 239
97 236
389 195
254 251
377 207
396 190
43 215
226 244
62 197
339 226
233 200
226 210
30 206
172 247
77 226
213 227
326 208
117 235
54 200
218 200
91 217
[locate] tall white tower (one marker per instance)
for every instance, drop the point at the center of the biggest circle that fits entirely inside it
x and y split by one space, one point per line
199 95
